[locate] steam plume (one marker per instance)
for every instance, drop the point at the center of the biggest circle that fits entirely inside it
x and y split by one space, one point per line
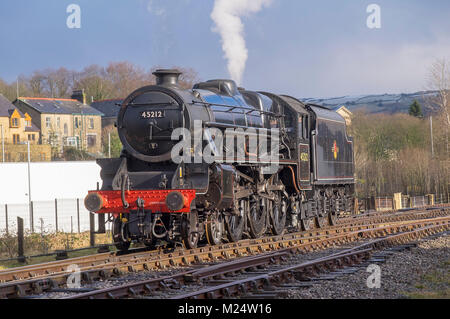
227 18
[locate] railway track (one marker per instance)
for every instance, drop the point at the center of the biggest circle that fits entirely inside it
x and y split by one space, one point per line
33 280
101 260
266 275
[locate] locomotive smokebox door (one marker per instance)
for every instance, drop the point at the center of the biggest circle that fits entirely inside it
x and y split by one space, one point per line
146 122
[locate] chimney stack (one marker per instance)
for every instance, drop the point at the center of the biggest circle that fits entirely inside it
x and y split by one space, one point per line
80 96
167 77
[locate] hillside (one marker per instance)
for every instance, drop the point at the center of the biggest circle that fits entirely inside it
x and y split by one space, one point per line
383 103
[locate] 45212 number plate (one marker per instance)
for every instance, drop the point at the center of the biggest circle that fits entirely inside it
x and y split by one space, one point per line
153 114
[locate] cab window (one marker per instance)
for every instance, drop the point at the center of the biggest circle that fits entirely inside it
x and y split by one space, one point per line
305 127
300 127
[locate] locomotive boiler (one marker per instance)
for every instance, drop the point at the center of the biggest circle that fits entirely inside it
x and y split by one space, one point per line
162 190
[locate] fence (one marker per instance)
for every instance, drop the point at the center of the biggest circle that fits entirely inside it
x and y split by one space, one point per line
388 203
384 203
60 215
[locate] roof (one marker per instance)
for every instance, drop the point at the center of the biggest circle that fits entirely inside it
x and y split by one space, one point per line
109 108
6 107
297 105
59 106
33 128
325 114
11 111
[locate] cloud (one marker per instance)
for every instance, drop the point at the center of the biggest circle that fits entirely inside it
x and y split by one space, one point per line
394 69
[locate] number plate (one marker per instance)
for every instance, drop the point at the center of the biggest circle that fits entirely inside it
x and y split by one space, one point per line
153 115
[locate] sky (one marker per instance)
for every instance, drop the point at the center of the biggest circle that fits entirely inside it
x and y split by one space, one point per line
320 48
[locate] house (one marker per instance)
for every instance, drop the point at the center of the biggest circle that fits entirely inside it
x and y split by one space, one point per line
345 113
110 110
65 122
16 129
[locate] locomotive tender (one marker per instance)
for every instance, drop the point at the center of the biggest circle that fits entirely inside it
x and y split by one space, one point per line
155 199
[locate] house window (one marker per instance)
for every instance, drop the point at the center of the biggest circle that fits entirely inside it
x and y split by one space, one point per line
91 123
58 122
16 138
28 123
48 122
77 122
92 140
72 141
15 122
31 137
66 129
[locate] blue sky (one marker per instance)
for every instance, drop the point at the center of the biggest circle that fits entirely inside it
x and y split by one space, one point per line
316 48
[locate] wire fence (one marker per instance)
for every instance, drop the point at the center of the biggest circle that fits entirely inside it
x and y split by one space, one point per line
60 215
387 203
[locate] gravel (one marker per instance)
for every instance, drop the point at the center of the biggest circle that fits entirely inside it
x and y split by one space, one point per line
417 270
410 273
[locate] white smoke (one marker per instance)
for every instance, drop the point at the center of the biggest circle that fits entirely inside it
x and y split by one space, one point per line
154 8
227 18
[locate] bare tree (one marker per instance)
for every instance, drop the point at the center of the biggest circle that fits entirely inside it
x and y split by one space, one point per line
125 77
37 83
93 80
50 82
63 82
439 80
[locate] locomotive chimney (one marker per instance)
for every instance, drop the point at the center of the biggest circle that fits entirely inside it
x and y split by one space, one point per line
167 77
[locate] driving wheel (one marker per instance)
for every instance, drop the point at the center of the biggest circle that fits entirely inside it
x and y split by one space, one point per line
214 228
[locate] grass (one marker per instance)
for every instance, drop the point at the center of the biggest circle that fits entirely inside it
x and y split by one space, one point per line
434 285
439 294
46 259
35 244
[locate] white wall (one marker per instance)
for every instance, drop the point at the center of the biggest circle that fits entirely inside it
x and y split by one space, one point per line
62 180
65 181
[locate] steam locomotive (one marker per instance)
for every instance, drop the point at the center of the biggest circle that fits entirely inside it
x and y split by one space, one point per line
155 199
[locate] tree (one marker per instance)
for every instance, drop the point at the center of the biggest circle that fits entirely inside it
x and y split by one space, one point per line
37 84
93 80
439 80
73 154
116 144
125 78
415 109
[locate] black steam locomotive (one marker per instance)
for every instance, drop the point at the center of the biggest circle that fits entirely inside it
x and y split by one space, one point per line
156 199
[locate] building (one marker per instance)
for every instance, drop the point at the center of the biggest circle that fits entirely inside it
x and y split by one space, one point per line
345 113
16 129
65 122
110 110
